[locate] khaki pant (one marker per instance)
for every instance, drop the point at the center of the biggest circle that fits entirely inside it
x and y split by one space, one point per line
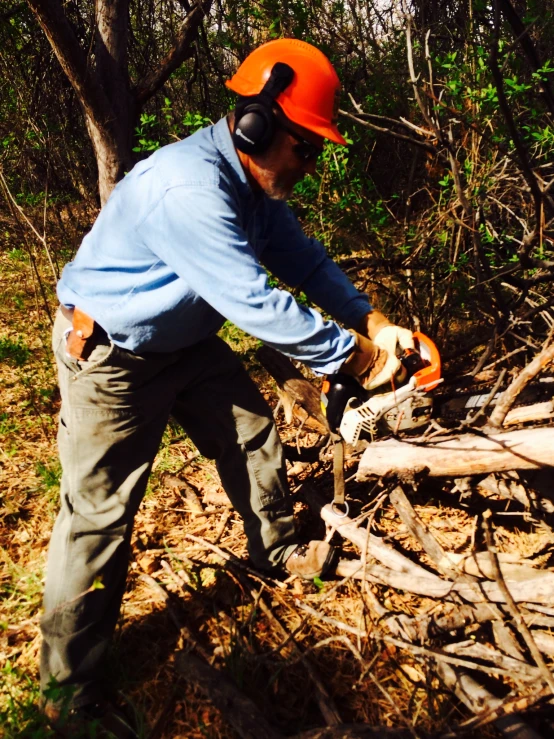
115 407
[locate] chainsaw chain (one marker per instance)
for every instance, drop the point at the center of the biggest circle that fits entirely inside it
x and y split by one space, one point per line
535 392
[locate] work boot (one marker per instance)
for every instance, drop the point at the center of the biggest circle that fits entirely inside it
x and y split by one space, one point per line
311 560
94 721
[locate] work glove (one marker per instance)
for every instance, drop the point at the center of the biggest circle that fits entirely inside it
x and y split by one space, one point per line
366 362
387 337
393 340
372 323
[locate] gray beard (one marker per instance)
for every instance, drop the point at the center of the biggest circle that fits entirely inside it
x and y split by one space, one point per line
275 189
279 194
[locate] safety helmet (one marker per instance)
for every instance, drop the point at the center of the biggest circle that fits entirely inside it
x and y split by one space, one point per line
312 98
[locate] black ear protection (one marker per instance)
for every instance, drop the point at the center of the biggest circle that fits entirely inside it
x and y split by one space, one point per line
254 117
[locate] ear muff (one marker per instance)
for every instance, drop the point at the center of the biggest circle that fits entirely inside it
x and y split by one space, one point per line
254 118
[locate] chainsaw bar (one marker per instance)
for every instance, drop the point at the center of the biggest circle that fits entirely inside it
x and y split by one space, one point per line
453 406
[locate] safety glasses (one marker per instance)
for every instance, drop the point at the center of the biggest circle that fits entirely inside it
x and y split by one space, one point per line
304 149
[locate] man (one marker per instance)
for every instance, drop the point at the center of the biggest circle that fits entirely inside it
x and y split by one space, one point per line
178 249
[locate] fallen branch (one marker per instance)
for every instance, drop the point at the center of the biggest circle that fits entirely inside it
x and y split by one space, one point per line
508 397
519 621
468 454
489 708
376 548
538 590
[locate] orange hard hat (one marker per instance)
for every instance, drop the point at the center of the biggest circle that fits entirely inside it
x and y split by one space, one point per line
312 98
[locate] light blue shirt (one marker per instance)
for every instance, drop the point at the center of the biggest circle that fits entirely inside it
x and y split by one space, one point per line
179 247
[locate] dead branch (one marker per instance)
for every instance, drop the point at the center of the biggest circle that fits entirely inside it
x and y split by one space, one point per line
420 532
531 413
508 397
467 454
294 385
376 548
488 708
519 621
394 134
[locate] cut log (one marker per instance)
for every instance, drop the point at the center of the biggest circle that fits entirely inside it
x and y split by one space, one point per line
294 385
467 454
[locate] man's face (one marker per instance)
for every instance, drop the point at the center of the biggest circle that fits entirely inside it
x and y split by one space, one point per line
287 161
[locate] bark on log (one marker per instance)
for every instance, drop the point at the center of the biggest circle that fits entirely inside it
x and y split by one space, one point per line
527 414
467 454
506 485
505 640
294 384
545 642
479 565
520 669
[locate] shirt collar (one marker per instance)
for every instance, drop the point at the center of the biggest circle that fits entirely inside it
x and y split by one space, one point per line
224 143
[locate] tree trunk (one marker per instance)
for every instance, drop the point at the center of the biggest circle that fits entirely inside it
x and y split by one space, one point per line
110 103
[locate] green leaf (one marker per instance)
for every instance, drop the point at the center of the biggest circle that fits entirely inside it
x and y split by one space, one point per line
318 582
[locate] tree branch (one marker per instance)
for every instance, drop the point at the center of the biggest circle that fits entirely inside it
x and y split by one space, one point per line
53 21
181 51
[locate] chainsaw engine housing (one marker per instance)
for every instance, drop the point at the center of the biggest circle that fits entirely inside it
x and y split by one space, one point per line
355 412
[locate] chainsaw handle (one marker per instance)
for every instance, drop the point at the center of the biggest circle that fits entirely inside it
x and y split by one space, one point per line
336 391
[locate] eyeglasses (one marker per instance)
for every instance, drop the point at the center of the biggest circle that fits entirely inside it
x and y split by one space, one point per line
304 149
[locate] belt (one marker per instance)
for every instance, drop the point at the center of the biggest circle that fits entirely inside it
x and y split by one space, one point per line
81 339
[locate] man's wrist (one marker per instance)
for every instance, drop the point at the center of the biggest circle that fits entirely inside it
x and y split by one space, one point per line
372 323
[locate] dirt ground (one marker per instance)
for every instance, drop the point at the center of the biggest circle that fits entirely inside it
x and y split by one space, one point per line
182 594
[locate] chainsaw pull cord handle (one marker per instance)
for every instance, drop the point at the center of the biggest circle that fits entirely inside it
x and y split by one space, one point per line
338 477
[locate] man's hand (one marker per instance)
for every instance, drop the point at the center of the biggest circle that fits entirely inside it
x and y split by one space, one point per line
366 362
375 331
372 323
389 338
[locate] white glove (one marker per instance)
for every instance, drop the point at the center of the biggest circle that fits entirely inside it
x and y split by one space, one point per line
391 338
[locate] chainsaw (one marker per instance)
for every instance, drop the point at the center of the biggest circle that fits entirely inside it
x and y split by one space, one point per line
353 412
406 403
403 404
